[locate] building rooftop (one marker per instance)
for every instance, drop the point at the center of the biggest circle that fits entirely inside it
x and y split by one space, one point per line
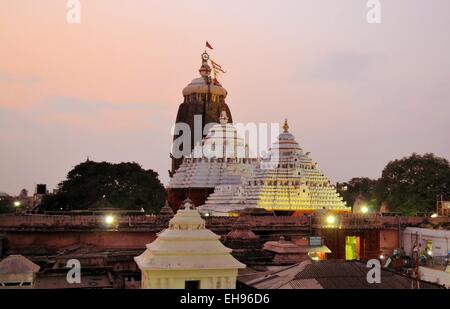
330 274
17 265
187 244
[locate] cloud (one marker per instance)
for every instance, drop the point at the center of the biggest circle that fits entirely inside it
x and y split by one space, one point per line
97 116
11 78
72 105
343 67
78 115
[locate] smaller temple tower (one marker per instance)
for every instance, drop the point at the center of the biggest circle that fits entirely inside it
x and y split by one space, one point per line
222 158
186 255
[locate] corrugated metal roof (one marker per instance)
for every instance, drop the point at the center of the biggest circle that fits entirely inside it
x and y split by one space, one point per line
331 274
353 275
304 284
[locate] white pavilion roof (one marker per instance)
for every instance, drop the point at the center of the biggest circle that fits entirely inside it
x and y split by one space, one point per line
187 244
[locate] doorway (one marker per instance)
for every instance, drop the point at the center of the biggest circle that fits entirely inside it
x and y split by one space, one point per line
352 248
192 284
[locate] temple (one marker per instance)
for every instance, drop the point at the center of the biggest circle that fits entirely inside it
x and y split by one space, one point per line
285 180
220 159
187 255
204 97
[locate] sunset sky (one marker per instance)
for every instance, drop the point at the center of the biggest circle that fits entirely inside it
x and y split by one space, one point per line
357 95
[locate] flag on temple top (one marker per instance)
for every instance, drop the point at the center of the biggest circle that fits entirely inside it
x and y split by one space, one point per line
209 45
216 71
216 64
217 67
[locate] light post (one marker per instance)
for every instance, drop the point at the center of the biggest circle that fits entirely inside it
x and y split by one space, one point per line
364 210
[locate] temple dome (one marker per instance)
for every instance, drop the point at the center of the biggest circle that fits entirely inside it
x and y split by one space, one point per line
199 85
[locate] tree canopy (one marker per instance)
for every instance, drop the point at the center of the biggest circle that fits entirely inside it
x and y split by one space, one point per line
107 185
358 187
412 184
409 185
6 205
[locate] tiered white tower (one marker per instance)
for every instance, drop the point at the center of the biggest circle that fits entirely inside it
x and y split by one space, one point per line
286 180
187 255
221 159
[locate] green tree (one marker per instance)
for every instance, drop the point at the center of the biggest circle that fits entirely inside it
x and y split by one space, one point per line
7 205
411 184
363 186
106 185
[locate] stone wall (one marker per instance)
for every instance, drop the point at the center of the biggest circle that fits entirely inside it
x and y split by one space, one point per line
51 242
72 221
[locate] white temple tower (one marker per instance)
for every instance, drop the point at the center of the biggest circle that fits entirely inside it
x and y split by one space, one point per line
286 180
221 158
187 255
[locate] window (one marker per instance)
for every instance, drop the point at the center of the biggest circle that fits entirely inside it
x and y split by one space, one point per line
192 284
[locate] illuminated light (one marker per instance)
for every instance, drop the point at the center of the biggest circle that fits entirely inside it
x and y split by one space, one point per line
331 220
381 257
364 209
17 204
434 215
109 219
430 252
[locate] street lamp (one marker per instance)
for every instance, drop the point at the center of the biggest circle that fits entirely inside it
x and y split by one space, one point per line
330 219
364 209
17 204
109 219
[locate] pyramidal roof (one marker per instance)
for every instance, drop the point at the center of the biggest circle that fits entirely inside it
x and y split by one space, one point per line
221 158
287 179
187 244
18 265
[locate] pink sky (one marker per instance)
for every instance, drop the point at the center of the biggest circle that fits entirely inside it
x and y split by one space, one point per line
356 95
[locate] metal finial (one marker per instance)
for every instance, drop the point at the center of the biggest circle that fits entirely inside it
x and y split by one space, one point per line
286 126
